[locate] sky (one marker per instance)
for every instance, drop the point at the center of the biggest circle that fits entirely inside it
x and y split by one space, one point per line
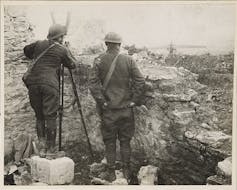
150 24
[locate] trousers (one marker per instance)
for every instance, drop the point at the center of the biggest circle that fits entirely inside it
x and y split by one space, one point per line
45 102
117 124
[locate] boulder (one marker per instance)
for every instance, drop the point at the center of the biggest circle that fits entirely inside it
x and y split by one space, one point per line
147 175
224 168
53 172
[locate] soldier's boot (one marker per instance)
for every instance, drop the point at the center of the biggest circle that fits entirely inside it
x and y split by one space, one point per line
51 131
110 154
127 171
125 151
40 128
111 173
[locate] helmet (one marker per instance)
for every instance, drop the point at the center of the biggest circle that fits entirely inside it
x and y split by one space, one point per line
56 31
113 38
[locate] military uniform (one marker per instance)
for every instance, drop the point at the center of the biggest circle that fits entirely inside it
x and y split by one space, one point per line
43 85
125 86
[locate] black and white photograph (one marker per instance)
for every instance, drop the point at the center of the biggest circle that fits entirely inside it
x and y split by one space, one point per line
118 93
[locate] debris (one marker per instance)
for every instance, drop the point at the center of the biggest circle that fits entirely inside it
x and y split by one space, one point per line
8 150
98 181
13 168
23 147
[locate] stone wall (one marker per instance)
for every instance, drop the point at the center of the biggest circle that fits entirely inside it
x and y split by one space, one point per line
179 132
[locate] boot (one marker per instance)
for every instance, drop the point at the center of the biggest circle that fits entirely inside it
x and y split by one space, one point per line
110 154
125 151
127 172
109 174
51 131
42 147
40 129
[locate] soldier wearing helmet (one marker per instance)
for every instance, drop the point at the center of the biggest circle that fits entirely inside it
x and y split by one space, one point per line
124 90
43 84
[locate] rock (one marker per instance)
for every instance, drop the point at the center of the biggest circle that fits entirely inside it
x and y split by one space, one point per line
147 175
97 168
224 168
13 168
53 172
183 117
205 126
214 180
120 180
24 178
8 150
98 181
213 138
23 147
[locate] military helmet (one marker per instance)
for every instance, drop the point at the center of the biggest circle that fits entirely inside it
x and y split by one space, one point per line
56 31
113 38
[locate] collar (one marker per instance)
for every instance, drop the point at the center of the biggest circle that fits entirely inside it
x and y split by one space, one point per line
112 51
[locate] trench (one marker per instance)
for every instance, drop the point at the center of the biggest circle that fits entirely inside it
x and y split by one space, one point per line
161 139
187 162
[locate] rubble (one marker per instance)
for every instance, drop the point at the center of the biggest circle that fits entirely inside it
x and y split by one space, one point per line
8 151
224 173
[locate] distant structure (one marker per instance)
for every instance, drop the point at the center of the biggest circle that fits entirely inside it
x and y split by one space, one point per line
171 49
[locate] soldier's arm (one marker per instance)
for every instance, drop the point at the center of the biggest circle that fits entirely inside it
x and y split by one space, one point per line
69 60
138 82
95 85
29 50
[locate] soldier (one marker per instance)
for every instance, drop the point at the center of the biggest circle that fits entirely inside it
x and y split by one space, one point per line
43 84
116 102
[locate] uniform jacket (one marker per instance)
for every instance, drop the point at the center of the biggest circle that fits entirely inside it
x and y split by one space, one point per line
126 83
46 69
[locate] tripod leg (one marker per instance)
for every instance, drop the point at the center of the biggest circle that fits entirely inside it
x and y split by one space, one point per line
61 93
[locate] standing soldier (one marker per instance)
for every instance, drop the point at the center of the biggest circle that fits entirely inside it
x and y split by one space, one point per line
43 84
116 95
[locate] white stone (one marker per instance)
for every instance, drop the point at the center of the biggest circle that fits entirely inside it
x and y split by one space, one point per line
147 175
53 172
224 168
183 117
120 180
213 138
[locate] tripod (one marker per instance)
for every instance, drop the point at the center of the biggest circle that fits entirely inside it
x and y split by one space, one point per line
61 91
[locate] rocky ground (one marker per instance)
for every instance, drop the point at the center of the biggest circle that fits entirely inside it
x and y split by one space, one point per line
185 131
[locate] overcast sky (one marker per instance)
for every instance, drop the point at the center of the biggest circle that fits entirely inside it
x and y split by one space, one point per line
212 25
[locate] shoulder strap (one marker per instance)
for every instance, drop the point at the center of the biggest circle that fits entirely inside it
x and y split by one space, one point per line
33 63
109 74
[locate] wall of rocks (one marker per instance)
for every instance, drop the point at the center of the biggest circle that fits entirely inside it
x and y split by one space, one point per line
179 132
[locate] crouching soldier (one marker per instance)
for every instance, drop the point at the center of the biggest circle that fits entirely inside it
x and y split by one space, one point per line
43 84
116 85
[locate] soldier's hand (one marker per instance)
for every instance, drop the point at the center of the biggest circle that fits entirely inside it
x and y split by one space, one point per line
105 105
67 44
132 104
